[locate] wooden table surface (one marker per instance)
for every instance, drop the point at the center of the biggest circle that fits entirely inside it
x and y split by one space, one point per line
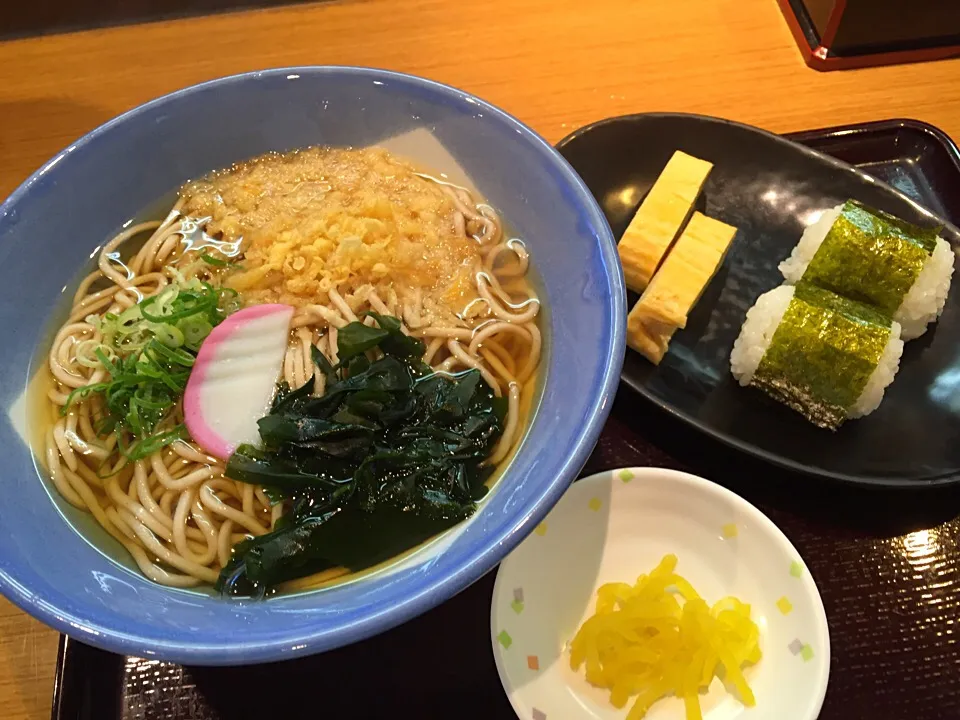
555 64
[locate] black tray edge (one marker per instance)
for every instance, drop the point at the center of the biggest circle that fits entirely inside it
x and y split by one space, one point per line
59 677
813 142
936 134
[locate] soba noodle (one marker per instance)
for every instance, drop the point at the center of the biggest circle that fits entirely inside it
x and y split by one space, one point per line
174 511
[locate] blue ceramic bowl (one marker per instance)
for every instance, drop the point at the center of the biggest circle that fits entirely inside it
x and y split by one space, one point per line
52 224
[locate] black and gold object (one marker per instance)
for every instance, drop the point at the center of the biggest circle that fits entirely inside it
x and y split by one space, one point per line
842 34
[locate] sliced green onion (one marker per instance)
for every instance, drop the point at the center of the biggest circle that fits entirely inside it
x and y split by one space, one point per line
174 355
160 305
217 262
86 353
126 322
148 351
107 358
195 331
228 300
169 335
146 447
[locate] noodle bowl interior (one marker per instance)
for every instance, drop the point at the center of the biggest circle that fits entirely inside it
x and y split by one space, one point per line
361 245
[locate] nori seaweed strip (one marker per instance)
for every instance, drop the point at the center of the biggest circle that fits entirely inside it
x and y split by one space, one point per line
822 354
871 257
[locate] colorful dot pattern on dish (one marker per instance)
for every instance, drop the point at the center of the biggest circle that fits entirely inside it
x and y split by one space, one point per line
521 671
802 649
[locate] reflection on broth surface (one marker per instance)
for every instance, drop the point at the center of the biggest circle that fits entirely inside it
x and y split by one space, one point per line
409 369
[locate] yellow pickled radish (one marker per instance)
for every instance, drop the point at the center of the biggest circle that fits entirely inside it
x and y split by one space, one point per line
659 637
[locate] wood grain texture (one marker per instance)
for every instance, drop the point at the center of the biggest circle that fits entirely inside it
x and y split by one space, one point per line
28 656
549 62
555 64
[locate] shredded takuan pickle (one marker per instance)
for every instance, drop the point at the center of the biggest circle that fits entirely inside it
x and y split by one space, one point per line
658 638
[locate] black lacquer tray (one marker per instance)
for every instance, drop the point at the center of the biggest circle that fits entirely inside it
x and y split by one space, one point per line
886 563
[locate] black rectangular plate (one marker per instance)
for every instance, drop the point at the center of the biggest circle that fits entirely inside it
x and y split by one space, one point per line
441 665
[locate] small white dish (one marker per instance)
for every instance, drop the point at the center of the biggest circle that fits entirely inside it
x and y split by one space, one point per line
616 525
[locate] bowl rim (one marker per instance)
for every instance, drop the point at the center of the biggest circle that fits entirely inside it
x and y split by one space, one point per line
493 546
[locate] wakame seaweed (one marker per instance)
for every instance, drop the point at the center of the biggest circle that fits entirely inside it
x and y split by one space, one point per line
390 455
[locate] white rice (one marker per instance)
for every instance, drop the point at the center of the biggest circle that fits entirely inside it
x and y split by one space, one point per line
757 332
924 301
881 377
795 266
